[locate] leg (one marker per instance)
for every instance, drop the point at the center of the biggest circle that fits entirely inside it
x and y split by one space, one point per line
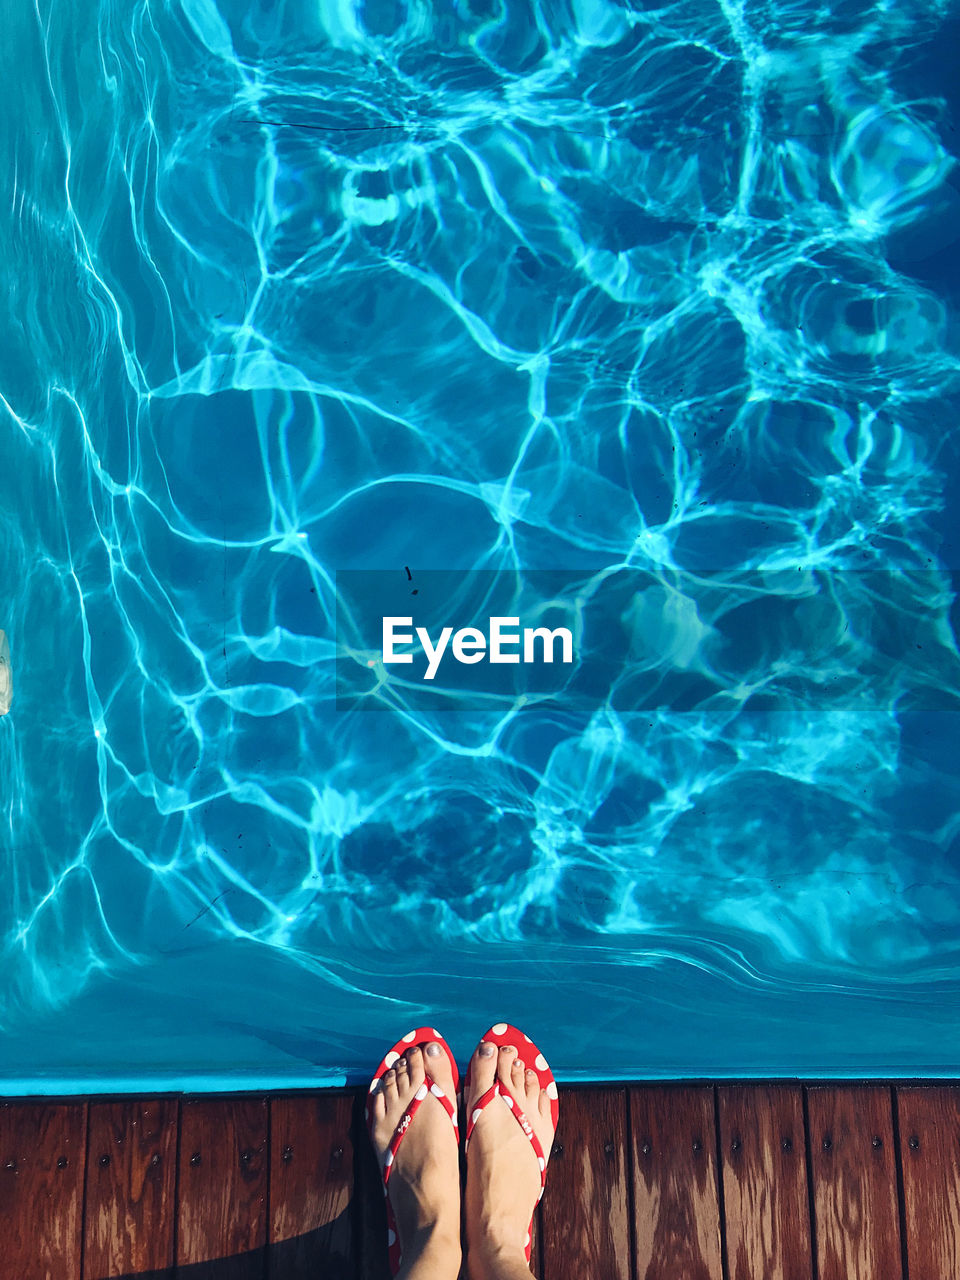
425 1180
493 1268
503 1178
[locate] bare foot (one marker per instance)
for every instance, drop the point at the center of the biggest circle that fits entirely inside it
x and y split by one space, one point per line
503 1172
424 1183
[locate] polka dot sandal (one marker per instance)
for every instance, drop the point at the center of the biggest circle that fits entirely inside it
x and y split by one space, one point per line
420 1037
499 1034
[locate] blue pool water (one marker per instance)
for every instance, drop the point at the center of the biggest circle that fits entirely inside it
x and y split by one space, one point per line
639 318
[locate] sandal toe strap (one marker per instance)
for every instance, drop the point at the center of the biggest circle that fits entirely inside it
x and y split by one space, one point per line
484 1101
415 1104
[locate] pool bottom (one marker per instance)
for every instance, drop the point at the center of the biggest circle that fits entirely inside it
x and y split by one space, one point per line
257 1021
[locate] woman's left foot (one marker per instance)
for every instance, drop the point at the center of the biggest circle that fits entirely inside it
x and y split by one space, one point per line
503 1174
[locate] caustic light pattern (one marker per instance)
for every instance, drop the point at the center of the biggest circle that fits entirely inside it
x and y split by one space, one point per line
305 288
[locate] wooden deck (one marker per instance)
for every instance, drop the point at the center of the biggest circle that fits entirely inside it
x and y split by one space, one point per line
647 1182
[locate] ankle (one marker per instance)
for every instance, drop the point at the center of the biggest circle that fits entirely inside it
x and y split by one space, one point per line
489 1261
493 1257
439 1239
425 1207
494 1231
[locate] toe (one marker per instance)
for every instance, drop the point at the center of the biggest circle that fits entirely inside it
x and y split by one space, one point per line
438 1067
483 1068
532 1085
415 1071
388 1086
516 1079
547 1095
505 1064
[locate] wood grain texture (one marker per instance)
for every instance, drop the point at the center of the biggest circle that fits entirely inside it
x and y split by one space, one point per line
370 1217
42 1150
131 1181
326 1213
764 1166
675 1183
222 1204
311 1187
585 1209
929 1122
536 1242
853 1165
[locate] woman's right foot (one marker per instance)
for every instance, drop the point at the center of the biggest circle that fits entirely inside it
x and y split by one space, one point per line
425 1177
503 1171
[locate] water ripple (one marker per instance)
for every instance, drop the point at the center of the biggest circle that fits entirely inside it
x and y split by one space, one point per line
297 291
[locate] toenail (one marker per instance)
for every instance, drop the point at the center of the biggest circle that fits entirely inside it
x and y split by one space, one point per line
519 1064
486 1049
401 1065
433 1050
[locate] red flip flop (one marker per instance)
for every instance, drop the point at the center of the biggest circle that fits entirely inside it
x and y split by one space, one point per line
531 1057
421 1037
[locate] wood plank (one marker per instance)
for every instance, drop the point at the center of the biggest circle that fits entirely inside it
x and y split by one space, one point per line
369 1214
131 1181
929 1123
853 1165
317 1227
764 1164
311 1187
42 1151
677 1214
536 1240
222 1197
585 1214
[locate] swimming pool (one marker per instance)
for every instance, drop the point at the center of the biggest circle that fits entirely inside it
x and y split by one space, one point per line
637 320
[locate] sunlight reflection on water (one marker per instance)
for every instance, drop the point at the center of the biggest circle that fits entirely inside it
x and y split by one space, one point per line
306 290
